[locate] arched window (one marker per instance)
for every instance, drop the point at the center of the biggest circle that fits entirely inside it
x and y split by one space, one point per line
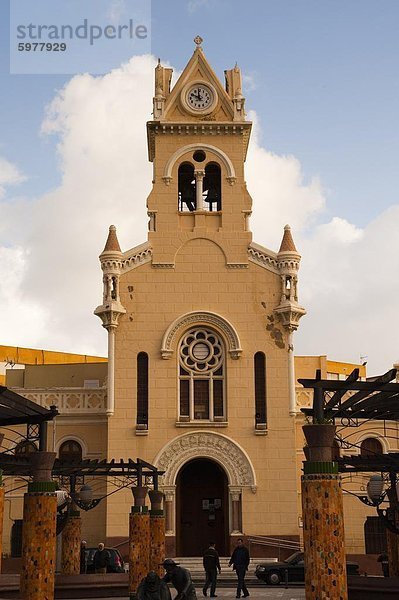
260 390
370 447
212 188
201 376
187 193
25 447
142 390
70 451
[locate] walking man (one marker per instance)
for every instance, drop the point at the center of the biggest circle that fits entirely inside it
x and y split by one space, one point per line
180 579
240 561
211 565
83 556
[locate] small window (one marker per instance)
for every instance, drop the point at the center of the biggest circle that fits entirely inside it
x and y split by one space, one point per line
70 451
260 389
142 390
370 447
187 188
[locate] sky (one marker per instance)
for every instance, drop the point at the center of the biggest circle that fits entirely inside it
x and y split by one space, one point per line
322 89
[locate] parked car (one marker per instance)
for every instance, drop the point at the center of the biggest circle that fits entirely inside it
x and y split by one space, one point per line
115 563
292 570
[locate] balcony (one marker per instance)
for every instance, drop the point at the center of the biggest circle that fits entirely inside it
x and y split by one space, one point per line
69 401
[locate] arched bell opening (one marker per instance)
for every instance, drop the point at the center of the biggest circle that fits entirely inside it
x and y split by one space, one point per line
187 188
212 188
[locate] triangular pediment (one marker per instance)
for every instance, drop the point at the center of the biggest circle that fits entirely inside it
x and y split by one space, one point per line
198 70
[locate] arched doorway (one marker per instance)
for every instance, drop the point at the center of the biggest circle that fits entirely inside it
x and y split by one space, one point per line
202 508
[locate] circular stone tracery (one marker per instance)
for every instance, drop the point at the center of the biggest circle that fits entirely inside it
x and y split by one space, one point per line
201 350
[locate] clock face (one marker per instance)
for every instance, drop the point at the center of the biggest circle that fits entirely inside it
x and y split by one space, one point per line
199 97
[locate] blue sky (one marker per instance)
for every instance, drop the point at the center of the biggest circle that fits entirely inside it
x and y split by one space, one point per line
322 79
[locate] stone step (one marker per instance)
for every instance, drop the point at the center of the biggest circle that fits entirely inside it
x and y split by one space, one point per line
227 577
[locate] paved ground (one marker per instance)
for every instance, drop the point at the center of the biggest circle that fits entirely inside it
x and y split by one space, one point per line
271 593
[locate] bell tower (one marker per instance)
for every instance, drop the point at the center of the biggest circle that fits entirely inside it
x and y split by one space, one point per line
198 143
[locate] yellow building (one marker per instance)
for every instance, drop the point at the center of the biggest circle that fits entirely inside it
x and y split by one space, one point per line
200 378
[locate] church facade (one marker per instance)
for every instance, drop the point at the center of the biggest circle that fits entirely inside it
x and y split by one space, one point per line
200 378
200 322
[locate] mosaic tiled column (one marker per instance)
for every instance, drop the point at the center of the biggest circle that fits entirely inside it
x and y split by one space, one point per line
157 532
139 540
71 540
323 523
1 514
39 531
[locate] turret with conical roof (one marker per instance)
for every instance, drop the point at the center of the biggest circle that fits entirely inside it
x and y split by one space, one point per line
288 260
111 309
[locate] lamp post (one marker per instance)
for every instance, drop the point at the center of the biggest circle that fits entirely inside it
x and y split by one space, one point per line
389 516
70 523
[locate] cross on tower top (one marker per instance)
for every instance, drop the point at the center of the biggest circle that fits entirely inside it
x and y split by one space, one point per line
198 40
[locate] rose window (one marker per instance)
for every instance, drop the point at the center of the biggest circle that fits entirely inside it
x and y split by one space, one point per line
201 351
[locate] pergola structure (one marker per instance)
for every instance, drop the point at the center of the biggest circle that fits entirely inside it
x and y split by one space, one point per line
41 522
348 403
351 400
17 410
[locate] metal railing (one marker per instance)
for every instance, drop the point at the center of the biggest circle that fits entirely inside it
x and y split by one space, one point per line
279 543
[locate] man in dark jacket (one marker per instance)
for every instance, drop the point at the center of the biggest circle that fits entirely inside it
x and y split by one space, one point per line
240 561
180 579
83 556
211 565
101 559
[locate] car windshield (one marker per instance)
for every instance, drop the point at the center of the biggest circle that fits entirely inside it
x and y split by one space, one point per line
297 556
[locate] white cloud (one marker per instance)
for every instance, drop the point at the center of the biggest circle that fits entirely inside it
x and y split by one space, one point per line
348 277
116 10
9 175
249 82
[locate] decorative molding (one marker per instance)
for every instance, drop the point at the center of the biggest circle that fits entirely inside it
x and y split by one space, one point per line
263 257
163 265
205 444
201 318
196 424
225 160
137 256
237 265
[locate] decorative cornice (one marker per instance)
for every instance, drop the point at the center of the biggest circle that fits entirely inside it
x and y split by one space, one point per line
201 318
263 257
136 256
206 127
205 444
